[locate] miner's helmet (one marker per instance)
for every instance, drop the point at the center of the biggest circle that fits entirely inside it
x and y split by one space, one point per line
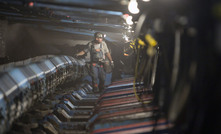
98 35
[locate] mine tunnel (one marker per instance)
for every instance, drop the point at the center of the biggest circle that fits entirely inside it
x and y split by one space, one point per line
110 66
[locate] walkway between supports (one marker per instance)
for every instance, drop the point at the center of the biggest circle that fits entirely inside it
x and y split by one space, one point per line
119 112
77 110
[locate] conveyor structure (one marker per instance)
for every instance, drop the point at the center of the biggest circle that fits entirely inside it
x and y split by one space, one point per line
26 82
32 101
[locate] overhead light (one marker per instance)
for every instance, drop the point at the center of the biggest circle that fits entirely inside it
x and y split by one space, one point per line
104 35
125 16
129 20
132 7
126 38
31 4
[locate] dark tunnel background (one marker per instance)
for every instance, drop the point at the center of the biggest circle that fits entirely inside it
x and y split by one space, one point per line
191 101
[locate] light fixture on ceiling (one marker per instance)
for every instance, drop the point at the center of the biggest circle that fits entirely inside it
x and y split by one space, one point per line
31 4
132 7
104 35
129 20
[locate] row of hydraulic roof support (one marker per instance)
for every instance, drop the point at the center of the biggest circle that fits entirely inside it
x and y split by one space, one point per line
23 83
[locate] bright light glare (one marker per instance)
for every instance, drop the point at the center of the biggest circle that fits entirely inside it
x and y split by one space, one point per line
129 20
146 0
132 7
126 38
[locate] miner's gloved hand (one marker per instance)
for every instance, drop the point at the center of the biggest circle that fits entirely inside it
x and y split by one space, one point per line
112 64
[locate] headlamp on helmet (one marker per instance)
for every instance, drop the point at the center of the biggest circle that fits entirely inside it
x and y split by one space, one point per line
98 35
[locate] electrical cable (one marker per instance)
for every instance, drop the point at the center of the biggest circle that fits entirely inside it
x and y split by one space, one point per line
142 64
135 77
